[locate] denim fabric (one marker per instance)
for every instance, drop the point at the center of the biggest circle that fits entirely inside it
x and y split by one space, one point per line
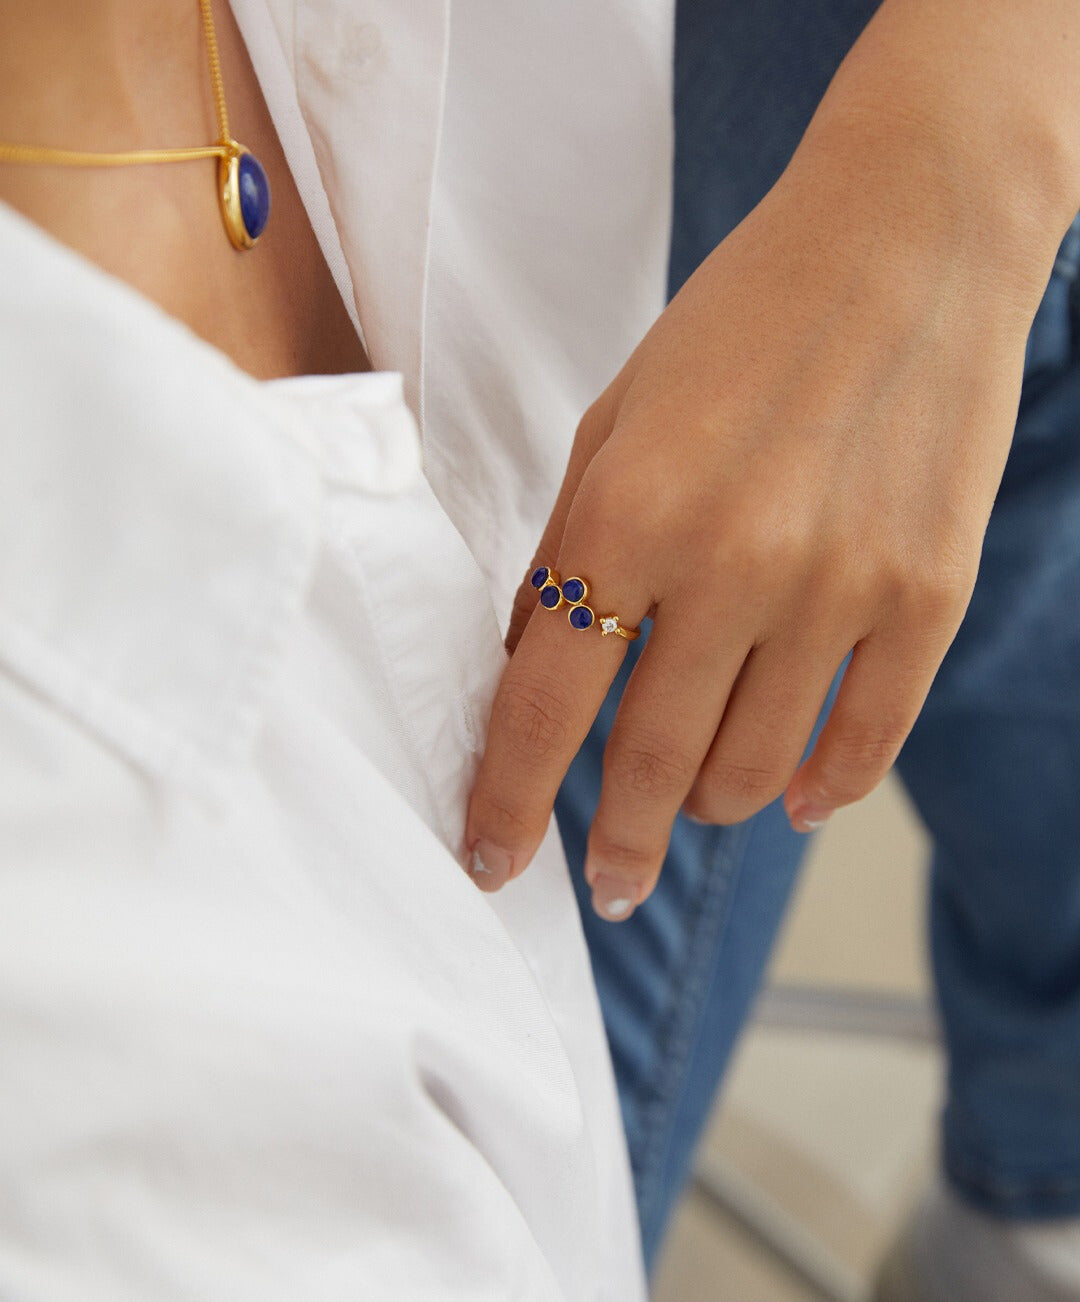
993 763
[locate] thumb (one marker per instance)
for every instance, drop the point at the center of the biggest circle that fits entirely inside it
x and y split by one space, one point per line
592 432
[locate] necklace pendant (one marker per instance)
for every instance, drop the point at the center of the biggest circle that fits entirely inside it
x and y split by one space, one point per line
244 195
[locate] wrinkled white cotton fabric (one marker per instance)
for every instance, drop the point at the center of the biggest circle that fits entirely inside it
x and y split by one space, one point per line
260 1035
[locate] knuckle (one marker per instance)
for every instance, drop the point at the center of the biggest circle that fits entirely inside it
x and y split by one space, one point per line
942 593
533 714
492 817
632 863
775 530
629 487
778 546
644 766
598 415
619 507
930 592
865 749
857 759
755 558
729 791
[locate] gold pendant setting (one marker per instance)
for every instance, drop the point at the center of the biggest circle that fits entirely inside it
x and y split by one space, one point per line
244 195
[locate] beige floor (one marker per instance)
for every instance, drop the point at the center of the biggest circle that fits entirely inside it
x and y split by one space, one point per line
834 1132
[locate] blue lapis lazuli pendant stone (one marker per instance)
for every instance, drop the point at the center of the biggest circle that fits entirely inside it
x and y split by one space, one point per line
539 576
581 617
573 590
244 195
254 196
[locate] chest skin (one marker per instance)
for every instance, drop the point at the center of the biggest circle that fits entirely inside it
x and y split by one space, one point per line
274 310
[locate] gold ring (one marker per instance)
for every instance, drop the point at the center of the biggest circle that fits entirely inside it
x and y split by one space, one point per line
555 592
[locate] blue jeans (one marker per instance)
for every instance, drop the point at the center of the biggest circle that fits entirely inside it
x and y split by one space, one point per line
993 763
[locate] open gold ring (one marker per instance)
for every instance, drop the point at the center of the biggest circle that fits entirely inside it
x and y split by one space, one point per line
555 592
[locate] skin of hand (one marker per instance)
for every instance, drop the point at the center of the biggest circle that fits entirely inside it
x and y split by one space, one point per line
798 461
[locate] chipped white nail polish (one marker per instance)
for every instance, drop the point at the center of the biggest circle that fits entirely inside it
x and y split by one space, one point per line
616 908
491 865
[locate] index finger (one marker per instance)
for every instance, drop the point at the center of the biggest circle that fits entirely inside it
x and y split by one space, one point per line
549 695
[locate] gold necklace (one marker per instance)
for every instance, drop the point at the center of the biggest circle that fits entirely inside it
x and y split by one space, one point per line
243 190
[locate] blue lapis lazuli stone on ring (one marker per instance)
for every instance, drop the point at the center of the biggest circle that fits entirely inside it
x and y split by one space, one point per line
572 593
575 590
245 195
547 582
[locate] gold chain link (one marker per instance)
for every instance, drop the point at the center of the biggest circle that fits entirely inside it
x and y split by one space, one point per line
215 72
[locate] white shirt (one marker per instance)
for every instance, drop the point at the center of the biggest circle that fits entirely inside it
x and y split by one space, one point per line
260 1035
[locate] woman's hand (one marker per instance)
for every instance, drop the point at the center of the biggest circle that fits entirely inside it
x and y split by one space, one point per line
798 460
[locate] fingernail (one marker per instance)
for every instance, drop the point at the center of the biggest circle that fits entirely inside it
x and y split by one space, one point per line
490 865
808 818
613 899
701 822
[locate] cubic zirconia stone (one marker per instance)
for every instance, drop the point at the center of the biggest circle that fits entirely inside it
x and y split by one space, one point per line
609 624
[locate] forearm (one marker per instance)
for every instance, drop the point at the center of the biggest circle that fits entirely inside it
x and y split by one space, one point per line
965 114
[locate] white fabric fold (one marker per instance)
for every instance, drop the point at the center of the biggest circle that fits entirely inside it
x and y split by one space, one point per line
260 1035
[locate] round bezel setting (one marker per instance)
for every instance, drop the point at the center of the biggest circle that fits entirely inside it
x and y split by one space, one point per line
244 196
575 590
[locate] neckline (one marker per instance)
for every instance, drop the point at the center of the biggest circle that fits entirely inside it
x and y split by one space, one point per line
278 90
117 287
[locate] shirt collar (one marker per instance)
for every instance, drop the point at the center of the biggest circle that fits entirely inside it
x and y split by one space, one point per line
157 521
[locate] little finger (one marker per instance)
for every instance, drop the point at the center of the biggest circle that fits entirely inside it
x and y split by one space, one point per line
770 715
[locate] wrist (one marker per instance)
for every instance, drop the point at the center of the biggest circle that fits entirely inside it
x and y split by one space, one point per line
981 183
910 203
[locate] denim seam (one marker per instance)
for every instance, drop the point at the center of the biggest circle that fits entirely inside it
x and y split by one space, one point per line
1003 1191
712 909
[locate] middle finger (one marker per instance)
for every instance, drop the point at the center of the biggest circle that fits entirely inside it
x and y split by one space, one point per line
664 726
